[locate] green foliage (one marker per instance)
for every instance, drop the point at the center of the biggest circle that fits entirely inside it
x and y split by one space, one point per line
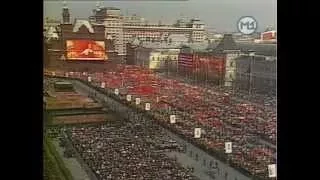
54 168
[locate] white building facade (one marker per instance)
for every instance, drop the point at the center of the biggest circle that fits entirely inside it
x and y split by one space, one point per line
124 28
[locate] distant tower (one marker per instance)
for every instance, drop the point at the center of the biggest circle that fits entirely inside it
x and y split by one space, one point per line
99 5
65 14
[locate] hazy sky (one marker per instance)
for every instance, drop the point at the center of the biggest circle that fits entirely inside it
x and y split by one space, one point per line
221 15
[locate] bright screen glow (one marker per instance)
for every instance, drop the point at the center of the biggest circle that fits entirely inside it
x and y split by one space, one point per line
86 50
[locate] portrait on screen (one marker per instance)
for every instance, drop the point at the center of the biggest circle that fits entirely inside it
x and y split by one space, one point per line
86 50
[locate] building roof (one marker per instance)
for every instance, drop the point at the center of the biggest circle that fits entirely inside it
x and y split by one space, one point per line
226 43
178 38
80 22
135 41
248 58
111 8
260 49
198 46
159 45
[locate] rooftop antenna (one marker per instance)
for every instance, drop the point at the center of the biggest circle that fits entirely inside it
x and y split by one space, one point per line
101 4
195 15
98 5
181 15
64 4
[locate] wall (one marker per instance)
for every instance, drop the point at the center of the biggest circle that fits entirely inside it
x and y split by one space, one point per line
263 73
156 59
206 66
143 57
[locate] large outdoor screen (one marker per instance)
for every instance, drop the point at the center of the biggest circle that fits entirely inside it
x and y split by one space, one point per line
86 50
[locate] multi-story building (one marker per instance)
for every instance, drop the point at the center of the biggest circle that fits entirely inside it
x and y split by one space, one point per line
51 33
156 56
111 18
124 28
50 23
193 31
51 28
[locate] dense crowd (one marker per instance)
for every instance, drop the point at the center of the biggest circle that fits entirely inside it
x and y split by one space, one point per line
268 100
221 116
128 151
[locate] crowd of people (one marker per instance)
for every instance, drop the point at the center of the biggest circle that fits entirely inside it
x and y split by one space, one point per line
127 150
267 100
221 116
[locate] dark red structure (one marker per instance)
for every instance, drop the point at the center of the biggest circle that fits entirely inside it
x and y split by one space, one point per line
202 65
79 30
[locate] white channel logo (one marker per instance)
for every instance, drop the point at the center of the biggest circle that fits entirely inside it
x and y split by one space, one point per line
247 25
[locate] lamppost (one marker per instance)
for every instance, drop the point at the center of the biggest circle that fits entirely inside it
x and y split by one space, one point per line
251 54
168 59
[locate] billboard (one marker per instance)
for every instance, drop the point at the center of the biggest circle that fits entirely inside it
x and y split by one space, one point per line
86 50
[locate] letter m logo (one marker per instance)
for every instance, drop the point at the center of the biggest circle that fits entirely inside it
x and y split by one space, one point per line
249 25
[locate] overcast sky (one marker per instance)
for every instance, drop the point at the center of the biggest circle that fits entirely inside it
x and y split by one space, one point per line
222 15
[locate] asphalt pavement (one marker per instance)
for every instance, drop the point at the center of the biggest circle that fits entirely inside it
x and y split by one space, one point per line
72 164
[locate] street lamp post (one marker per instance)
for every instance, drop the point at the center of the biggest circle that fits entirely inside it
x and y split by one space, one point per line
251 54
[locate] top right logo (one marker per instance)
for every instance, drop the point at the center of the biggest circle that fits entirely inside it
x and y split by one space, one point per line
247 25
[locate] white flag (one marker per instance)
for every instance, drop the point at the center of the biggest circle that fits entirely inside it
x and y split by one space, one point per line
172 119
228 147
116 91
147 106
272 170
89 79
197 132
128 97
103 85
138 101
